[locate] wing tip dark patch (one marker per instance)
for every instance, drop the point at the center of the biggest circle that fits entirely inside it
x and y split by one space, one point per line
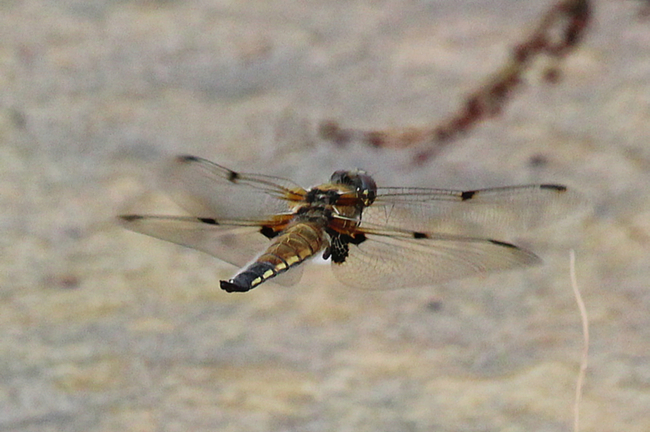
209 221
555 187
467 195
129 217
420 235
187 158
524 257
504 244
233 176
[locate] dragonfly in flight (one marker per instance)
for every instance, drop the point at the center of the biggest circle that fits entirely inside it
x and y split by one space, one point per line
375 237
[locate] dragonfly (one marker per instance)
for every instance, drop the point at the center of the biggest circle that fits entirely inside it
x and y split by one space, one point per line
374 237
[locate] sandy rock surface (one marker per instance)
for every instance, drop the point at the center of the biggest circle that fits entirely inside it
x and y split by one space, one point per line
107 330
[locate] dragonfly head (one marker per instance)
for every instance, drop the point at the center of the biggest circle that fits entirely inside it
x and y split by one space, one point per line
363 184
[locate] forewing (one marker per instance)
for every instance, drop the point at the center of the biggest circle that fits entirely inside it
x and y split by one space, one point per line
207 190
498 213
236 245
398 260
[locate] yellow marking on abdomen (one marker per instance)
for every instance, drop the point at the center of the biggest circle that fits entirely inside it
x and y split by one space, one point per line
297 243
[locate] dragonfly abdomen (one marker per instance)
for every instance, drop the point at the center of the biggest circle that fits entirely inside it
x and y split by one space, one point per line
293 246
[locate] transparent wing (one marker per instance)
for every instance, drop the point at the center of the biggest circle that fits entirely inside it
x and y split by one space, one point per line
235 244
498 212
396 259
207 190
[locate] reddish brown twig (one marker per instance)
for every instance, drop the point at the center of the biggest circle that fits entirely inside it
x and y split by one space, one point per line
644 10
559 31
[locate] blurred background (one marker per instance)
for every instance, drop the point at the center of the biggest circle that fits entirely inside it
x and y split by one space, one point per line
106 330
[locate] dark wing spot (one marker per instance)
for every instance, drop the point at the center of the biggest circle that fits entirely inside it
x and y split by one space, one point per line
504 244
233 176
187 158
130 218
268 232
467 195
559 188
420 235
209 221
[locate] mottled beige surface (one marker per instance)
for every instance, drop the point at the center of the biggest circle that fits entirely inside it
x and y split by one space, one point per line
106 330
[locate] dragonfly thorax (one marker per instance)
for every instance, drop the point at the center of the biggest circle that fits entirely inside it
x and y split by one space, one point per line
321 197
319 215
364 185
